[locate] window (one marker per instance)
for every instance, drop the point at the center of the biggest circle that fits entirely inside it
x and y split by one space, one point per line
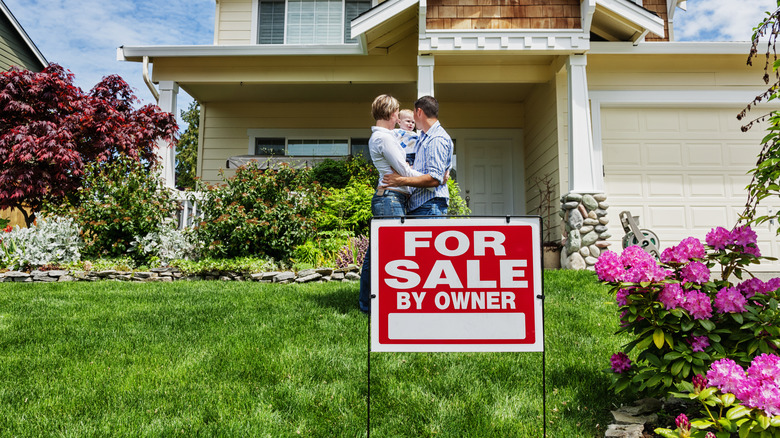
291 147
308 21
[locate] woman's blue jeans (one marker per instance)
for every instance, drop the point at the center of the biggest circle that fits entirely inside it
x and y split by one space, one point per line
389 204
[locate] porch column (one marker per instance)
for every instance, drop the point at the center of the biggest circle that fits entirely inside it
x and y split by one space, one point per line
585 170
169 90
425 75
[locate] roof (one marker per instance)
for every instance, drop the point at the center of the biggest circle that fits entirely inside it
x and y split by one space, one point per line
26 38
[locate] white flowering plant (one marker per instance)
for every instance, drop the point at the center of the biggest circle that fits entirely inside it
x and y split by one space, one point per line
682 320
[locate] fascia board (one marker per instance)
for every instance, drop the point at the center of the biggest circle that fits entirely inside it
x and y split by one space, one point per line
670 48
136 53
379 15
635 14
20 30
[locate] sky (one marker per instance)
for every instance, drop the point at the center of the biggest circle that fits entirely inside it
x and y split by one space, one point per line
83 35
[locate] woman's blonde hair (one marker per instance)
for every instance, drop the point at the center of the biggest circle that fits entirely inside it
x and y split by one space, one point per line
384 106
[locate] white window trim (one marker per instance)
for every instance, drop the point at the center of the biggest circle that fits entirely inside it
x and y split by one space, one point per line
304 134
255 25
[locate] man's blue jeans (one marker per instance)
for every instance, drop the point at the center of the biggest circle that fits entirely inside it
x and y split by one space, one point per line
431 207
390 204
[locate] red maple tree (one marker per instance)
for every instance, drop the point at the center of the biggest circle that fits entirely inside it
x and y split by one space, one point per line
49 129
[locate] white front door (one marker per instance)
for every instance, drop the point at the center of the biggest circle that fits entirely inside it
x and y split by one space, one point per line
490 166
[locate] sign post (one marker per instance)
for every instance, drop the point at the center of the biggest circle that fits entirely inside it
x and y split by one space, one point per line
451 285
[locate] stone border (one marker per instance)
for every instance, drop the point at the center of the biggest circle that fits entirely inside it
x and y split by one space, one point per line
320 275
585 229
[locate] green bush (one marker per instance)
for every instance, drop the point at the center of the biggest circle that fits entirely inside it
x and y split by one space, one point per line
331 173
321 251
458 206
347 209
259 212
119 201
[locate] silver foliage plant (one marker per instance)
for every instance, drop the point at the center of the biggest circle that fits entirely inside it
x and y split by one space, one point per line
53 240
167 245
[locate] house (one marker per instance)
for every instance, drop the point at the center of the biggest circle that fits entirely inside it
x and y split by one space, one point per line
595 93
16 47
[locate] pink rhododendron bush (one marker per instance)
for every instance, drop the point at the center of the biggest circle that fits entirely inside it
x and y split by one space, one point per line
685 321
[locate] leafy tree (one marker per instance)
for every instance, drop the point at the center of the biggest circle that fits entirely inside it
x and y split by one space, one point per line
187 149
50 129
766 174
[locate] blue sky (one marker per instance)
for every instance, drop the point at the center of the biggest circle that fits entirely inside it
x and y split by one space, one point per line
83 35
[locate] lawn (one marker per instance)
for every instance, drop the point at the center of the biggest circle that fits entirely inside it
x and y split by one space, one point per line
249 359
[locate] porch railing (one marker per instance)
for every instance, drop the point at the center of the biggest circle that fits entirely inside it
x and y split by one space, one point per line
189 213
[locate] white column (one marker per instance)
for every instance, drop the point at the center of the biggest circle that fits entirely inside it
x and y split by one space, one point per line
585 169
425 75
169 90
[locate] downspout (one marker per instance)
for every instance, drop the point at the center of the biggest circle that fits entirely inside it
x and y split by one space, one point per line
148 80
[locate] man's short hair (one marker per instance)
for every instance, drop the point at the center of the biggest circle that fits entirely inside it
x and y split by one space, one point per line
429 105
384 106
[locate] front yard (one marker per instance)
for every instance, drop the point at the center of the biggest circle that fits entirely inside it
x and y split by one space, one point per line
248 359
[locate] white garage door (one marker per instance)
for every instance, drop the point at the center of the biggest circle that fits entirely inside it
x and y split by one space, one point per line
682 170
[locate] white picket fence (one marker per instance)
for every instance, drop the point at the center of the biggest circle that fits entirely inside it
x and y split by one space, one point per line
189 213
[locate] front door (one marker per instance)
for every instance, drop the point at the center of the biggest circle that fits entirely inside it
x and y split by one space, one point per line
491 167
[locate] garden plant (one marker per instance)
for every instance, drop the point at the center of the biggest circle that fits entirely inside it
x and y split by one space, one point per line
685 324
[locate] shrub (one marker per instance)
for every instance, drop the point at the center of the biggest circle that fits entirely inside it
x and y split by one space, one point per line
165 245
52 240
353 253
118 202
331 173
321 251
457 206
347 209
209 266
680 318
259 212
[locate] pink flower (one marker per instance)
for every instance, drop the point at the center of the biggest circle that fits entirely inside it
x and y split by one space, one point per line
608 267
695 272
699 383
689 248
718 238
744 236
698 305
772 285
683 424
751 287
766 367
671 296
699 343
726 375
730 300
622 297
620 362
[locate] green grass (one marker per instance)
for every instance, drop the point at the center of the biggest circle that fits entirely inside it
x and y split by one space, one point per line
249 359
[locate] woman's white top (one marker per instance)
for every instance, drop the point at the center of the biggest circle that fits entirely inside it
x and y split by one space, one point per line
388 155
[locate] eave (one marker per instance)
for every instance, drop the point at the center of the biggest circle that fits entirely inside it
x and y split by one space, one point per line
137 53
623 20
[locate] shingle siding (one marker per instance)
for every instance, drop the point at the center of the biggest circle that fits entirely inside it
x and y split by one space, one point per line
503 14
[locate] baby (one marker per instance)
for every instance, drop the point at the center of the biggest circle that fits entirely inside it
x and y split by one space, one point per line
406 134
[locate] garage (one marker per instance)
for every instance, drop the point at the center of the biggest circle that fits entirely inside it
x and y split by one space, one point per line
682 170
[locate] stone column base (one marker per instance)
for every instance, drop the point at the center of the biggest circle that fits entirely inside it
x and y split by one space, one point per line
585 229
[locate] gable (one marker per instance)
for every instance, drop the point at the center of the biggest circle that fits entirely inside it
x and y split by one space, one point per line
498 14
16 48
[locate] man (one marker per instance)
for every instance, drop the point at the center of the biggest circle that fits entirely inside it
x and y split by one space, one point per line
430 196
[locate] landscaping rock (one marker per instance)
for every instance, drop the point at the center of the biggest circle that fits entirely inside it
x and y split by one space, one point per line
573 197
586 229
337 276
284 277
575 219
589 239
595 251
306 272
600 197
625 431
603 245
311 277
16 274
144 275
106 273
592 215
584 251
576 262
590 261
583 211
591 221
351 276
604 220
65 278
600 229
589 202
603 205
573 242
570 205
325 272
600 213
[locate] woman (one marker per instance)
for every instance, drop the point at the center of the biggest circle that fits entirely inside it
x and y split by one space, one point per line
388 156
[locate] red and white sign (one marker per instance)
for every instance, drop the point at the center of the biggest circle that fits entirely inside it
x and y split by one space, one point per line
453 285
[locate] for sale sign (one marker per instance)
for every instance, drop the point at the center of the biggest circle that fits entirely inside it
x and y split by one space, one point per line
456 285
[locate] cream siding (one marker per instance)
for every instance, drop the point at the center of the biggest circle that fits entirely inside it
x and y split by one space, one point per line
13 49
541 148
233 23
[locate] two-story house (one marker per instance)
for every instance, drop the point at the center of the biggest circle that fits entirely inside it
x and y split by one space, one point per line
595 93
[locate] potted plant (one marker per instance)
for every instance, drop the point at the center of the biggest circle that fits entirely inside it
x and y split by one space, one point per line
551 243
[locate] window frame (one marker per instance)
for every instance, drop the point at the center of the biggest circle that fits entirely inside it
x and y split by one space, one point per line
255 28
306 134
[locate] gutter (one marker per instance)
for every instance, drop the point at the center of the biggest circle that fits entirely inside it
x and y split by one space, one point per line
148 80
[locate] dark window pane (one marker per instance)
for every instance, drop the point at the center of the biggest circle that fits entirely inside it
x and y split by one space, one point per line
269 146
353 8
271 22
359 148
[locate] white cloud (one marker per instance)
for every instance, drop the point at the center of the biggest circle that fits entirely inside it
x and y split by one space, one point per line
720 20
83 35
